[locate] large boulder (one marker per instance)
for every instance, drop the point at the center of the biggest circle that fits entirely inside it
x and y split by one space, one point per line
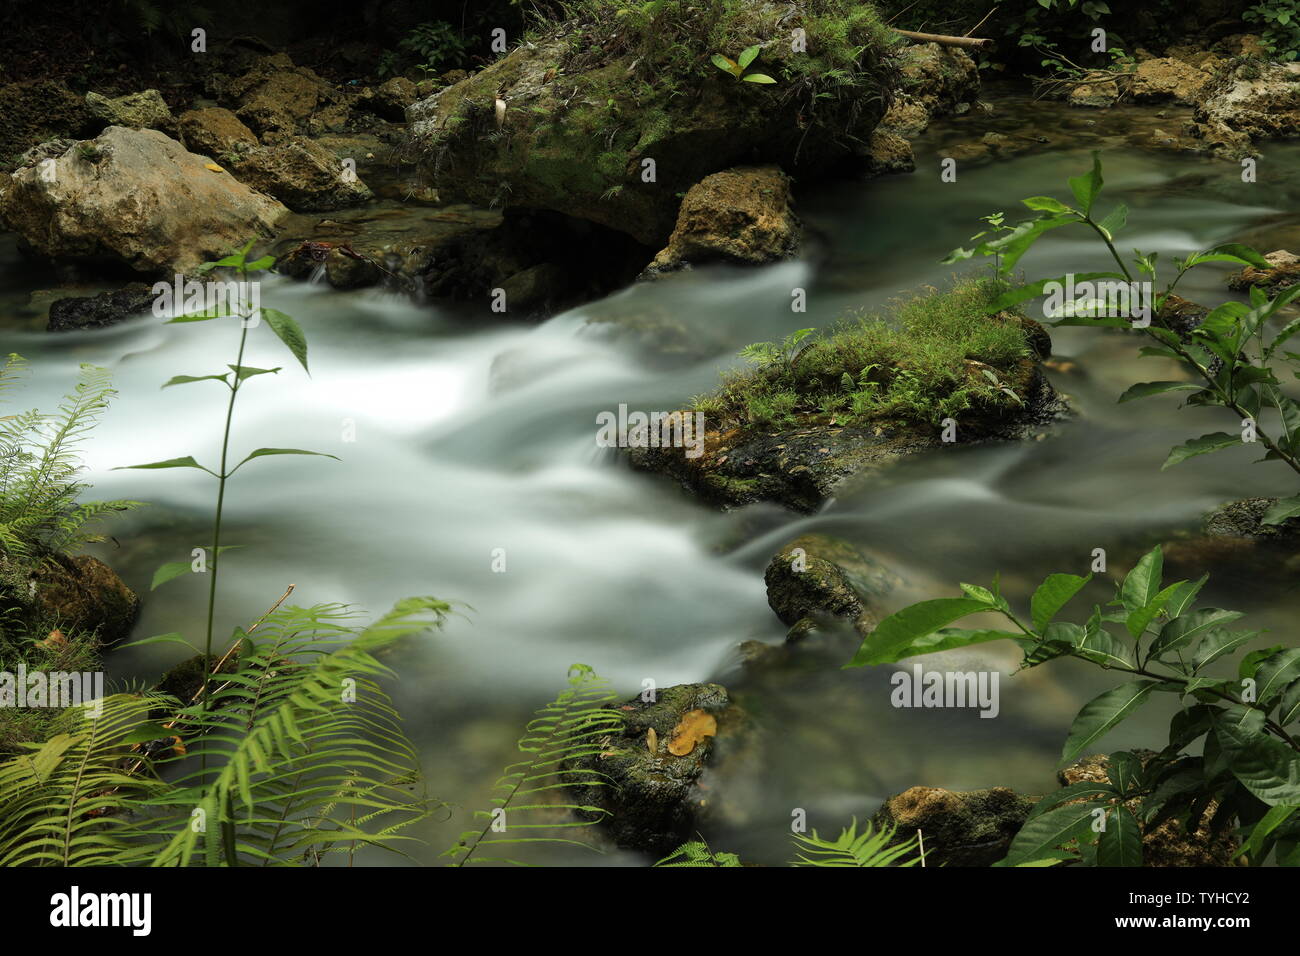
1168 79
737 215
276 98
595 121
1251 102
302 174
135 198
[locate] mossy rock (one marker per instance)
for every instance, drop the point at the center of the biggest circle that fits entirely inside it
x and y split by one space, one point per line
569 120
84 594
960 827
816 574
654 797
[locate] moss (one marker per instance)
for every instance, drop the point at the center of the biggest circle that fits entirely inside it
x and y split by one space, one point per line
938 355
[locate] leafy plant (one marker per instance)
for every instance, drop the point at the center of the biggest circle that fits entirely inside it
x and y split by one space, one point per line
1281 22
436 46
291 334
869 848
1250 767
307 754
698 854
741 64
786 351
1232 358
40 478
567 730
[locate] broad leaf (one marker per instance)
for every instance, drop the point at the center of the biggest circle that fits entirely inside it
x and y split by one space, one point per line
1053 594
1087 187
1042 837
1121 842
1100 715
895 635
290 333
1216 441
1282 509
1147 389
1142 584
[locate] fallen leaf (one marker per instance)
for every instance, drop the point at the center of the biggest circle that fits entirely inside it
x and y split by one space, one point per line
652 740
56 639
214 167
694 726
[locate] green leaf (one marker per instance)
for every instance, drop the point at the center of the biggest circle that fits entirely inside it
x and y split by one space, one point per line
1124 770
260 264
247 371
1181 632
290 333
1138 621
1275 674
168 572
894 636
1289 707
725 63
1230 252
748 55
1047 204
1121 842
1087 187
1041 837
170 638
1216 441
1217 643
186 462
1274 818
1100 715
757 78
1266 766
264 452
1102 647
186 379
1052 595
951 638
1114 221
1142 584
1147 389
1183 596
203 315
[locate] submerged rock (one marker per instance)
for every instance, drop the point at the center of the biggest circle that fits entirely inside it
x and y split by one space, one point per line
737 215
655 795
135 198
100 311
817 575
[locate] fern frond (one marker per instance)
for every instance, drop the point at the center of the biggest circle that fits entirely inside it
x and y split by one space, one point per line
870 848
696 854
569 728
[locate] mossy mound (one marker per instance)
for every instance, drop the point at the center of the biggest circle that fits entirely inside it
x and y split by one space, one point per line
817 412
611 115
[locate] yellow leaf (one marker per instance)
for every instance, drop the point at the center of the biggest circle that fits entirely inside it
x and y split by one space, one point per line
694 726
214 167
652 740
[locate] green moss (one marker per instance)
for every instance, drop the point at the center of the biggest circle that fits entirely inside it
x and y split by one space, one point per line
938 355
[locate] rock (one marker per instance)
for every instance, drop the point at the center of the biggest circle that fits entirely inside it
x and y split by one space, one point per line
214 132
816 574
35 111
135 198
1168 79
889 152
276 99
535 288
1284 274
1243 519
906 116
100 311
1251 102
960 827
655 799
82 593
939 79
145 110
1094 95
302 174
737 215
803 466
544 127
1167 844
391 99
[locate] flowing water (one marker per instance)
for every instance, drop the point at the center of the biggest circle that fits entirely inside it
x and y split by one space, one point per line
461 436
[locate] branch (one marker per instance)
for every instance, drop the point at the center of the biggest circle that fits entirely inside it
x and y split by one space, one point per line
945 40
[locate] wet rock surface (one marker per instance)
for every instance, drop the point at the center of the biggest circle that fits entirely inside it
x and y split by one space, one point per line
102 310
656 797
960 827
816 575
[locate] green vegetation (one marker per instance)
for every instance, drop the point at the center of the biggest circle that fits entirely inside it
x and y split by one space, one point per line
1281 22
41 519
1250 767
939 355
1233 358
871 847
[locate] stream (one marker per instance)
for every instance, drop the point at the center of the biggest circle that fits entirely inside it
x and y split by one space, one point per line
461 435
